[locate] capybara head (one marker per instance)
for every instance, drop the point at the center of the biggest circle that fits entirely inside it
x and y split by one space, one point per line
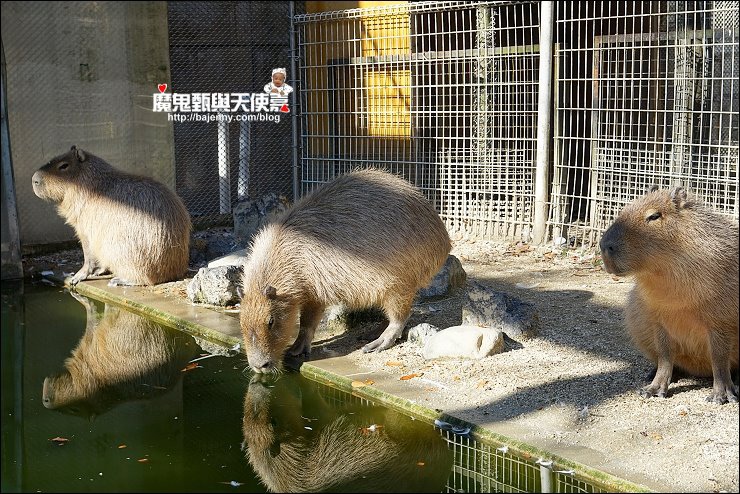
646 230
269 327
51 180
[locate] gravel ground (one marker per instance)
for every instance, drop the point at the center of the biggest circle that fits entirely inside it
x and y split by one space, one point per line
573 386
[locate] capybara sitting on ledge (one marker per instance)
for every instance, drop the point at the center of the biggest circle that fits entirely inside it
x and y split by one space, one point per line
368 238
131 226
683 309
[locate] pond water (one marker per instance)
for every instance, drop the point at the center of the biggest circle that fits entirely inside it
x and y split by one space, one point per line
99 399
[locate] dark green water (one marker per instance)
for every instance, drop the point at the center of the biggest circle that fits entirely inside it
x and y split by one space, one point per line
135 415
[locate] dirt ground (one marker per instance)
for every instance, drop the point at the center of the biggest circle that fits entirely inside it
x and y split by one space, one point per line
573 386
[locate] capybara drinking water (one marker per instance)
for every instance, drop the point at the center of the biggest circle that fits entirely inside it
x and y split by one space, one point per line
683 309
131 226
368 238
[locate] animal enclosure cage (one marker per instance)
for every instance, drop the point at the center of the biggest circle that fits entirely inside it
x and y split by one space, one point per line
443 93
446 94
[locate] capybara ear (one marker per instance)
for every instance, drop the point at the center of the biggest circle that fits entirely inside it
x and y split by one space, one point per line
679 197
79 153
653 188
270 292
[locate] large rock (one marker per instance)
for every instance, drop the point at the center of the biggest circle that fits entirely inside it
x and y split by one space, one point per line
491 309
451 276
216 286
251 215
471 342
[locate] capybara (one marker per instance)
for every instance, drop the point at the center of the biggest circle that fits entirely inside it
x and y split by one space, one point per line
121 357
296 442
131 226
366 239
683 309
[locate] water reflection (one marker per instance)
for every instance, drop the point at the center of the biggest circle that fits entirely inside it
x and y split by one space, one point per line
121 357
297 441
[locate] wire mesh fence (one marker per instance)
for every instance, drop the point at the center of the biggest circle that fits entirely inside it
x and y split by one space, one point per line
647 93
229 50
443 93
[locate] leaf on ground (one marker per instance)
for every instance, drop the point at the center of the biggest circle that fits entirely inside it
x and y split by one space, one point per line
359 384
143 460
391 363
60 440
420 463
191 366
411 376
121 446
481 384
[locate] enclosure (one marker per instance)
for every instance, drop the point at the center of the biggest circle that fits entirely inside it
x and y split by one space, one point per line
455 96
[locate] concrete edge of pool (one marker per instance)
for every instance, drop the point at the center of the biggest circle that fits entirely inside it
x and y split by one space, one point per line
223 330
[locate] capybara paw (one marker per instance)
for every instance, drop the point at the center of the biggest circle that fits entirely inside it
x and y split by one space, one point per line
116 281
652 391
378 345
300 349
80 275
726 395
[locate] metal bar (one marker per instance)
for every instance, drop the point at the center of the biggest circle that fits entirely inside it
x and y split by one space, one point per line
11 265
543 123
224 178
296 93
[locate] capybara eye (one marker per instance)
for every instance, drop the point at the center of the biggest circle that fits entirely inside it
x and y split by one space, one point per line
270 321
654 216
62 166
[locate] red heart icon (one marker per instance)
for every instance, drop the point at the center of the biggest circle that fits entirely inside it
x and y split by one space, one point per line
285 108
162 88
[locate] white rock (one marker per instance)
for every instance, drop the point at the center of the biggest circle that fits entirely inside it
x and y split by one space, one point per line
472 342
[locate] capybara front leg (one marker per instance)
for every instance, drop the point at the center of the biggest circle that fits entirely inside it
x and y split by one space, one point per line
310 318
723 390
659 386
398 314
88 267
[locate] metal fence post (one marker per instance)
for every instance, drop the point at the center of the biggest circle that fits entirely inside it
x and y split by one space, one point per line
294 115
544 137
11 247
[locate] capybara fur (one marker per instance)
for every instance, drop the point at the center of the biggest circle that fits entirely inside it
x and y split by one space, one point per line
366 239
131 226
121 357
683 309
296 442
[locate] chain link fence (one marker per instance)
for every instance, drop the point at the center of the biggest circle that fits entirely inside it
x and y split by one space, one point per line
444 93
89 74
646 93
229 50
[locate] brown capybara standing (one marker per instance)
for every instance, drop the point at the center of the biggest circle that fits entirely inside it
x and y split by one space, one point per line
368 238
131 226
683 309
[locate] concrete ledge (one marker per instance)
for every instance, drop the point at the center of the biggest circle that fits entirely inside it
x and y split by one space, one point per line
339 372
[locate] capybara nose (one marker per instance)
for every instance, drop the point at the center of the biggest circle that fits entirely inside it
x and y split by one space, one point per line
36 179
261 365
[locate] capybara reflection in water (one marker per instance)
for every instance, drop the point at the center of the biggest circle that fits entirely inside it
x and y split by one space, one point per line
121 357
367 239
296 442
131 226
683 309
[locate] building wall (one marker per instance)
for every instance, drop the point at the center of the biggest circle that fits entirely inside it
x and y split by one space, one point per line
84 73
